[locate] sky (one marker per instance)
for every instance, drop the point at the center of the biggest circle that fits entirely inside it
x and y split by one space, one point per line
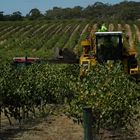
24 6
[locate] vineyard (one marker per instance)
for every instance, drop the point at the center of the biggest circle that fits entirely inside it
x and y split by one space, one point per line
39 38
29 92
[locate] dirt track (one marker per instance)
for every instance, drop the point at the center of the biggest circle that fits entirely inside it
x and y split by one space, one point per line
111 27
50 128
58 128
137 32
129 33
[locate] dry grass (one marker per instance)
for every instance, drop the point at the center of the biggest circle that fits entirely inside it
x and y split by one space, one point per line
51 128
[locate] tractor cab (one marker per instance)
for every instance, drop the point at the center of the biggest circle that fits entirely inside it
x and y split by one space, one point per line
108 46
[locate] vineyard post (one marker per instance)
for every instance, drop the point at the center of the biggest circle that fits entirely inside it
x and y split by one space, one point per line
0 117
87 118
0 114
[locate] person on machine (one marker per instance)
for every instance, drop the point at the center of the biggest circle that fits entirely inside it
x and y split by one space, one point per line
102 28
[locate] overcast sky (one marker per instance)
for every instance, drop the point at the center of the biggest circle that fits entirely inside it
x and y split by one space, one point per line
24 6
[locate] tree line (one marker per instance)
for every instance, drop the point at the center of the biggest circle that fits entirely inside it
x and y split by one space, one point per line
98 11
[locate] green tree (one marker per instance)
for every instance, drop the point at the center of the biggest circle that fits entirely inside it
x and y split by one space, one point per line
1 15
35 14
16 16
